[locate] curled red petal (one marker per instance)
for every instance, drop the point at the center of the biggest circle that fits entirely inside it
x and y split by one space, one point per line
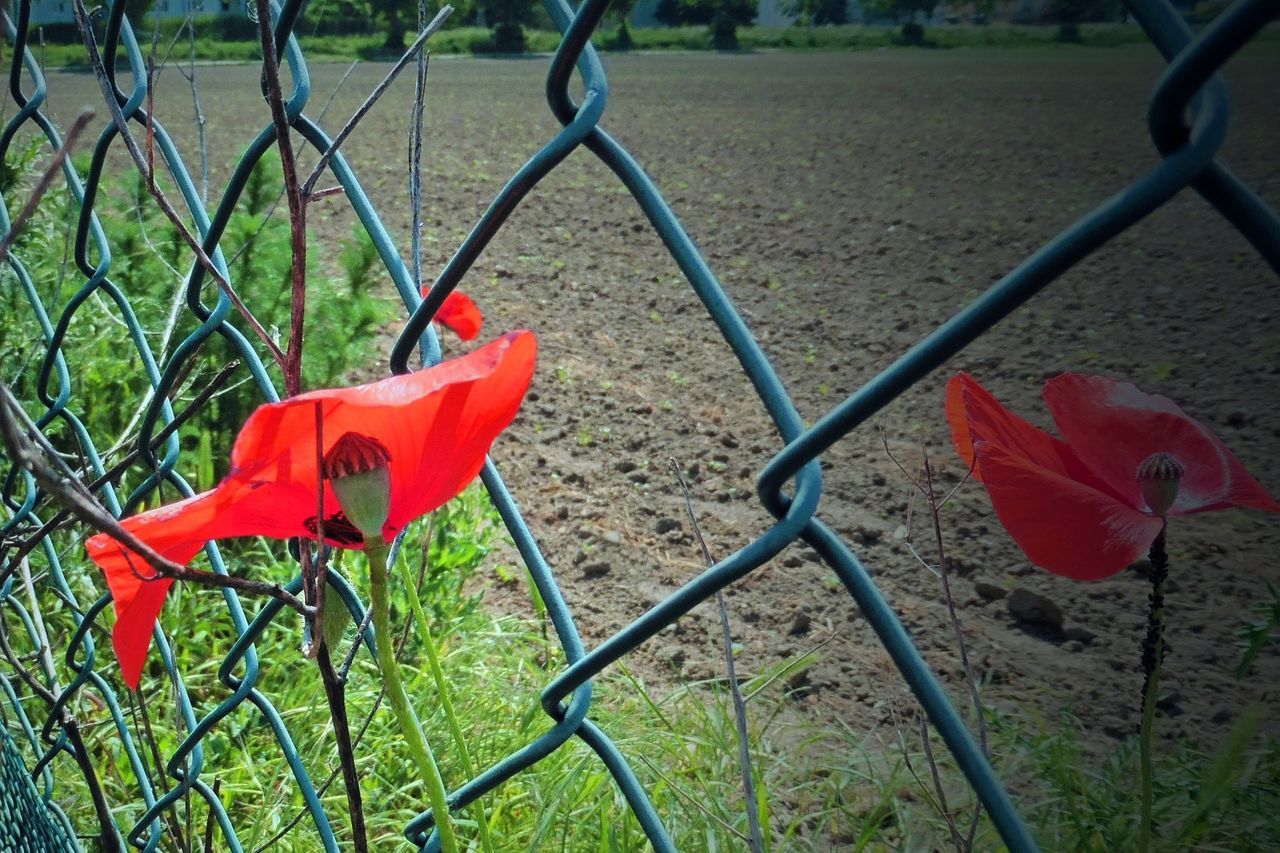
1113 428
977 416
459 314
175 531
1061 524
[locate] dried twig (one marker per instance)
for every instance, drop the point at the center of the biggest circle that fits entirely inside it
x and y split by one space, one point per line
923 486
161 200
292 365
944 572
739 706
941 792
436 23
312 574
60 517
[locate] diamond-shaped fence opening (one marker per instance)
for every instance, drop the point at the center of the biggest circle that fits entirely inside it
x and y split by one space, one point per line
52 620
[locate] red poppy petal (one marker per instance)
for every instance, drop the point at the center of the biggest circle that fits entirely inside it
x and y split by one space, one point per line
437 425
975 415
175 532
1113 427
1061 524
460 315
178 531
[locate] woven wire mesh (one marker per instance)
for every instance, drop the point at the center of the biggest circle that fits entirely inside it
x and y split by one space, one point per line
1187 120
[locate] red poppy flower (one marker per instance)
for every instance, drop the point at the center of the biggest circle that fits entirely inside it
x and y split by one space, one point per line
458 314
436 425
1082 507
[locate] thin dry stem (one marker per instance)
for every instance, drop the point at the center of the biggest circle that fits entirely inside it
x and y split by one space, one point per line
161 200
378 91
739 704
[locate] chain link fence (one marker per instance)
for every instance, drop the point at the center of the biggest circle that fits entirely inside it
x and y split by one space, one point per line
42 739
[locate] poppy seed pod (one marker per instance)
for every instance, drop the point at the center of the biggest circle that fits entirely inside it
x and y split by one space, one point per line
358 469
1160 475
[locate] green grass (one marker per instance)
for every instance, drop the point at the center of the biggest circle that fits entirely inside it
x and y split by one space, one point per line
467 40
819 787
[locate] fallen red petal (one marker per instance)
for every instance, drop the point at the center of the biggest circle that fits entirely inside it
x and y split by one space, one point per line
459 314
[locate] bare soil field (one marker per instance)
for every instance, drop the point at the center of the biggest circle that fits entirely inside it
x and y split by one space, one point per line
849 204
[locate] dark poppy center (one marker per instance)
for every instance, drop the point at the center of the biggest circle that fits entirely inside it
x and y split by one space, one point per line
336 528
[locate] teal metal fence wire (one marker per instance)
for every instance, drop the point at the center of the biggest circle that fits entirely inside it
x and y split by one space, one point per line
1187 119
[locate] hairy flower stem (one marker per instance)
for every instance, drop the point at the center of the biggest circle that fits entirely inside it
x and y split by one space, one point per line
442 693
376 550
1153 649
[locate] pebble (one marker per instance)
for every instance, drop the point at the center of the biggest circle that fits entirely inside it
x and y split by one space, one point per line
989 591
867 535
666 525
800 622
1032 608
1079 634
596 570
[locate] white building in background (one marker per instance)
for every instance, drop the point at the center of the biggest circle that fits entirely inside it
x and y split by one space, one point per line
56 11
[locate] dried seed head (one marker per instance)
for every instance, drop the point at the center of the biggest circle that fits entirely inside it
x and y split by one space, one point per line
358 468
1160 476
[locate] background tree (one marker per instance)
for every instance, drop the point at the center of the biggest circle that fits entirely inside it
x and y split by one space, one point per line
137 10
507 19
722 16
1070 14
396 14
621 9
912 30
817 12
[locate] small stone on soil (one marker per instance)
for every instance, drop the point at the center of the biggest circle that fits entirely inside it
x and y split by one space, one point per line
596 570
1032 608
990 591
666 525
1079 633
800 622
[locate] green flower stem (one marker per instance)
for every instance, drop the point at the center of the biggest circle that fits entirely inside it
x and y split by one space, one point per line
442 692
376 550
1152 658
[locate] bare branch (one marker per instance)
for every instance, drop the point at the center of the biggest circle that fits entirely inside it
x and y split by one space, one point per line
378 91
292 365
162 201
30 543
